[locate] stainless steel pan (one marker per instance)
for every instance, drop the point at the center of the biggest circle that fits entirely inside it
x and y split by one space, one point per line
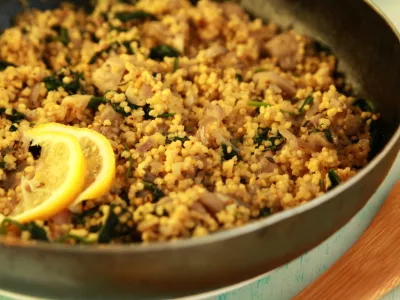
369 51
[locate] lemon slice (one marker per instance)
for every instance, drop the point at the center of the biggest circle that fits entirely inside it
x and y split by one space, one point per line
57 180
99 156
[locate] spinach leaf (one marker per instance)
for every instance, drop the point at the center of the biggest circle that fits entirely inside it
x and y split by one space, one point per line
305 124
334 178
63 35
239 77
55 81
5 64
95 102
159 52
309 101
156 192
166 115
127 45
128 172
108 230
36 232
257 103
169 140
265 212
229 155
275 140
98 54
364 105
135 15
176 64
2 164
328 135
15 117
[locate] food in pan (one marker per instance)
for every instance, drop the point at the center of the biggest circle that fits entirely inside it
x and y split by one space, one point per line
159 120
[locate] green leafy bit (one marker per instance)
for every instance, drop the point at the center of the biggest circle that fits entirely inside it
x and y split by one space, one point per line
258 70
169 140
2 164
159 52
55 81
305 124
98 54
63 35
334 178
5 64
156 192
36 232
95 102
328 135
265 212
364 105
13 128
166 115
15 117
239 77
229 155
265 135
257 103
309 101
289 113
107 232
127 45
176 64
135 15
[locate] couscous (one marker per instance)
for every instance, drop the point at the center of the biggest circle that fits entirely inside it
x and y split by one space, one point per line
213 119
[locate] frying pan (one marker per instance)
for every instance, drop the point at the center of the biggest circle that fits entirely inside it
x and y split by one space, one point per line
369 53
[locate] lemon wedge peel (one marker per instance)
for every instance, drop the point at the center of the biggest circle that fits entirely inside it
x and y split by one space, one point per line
72 185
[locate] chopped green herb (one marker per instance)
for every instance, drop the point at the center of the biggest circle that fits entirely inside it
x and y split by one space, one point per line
229 155
334 178
36 232
135 15
289 113
176 64
124 196
364 105
239 77
176 138
94 38
265 212
257 103
13 128
108 230
2 164
95 102
55 81
120 109
265 135
305 124
156 192
328 135
309 100
15 117
98 54
127 45
270 159
147 109
166 115
63 35
5 64
161 51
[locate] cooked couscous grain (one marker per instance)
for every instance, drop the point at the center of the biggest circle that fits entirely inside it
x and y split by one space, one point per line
216 119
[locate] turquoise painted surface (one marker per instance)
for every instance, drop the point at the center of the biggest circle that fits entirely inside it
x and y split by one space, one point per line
285 282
